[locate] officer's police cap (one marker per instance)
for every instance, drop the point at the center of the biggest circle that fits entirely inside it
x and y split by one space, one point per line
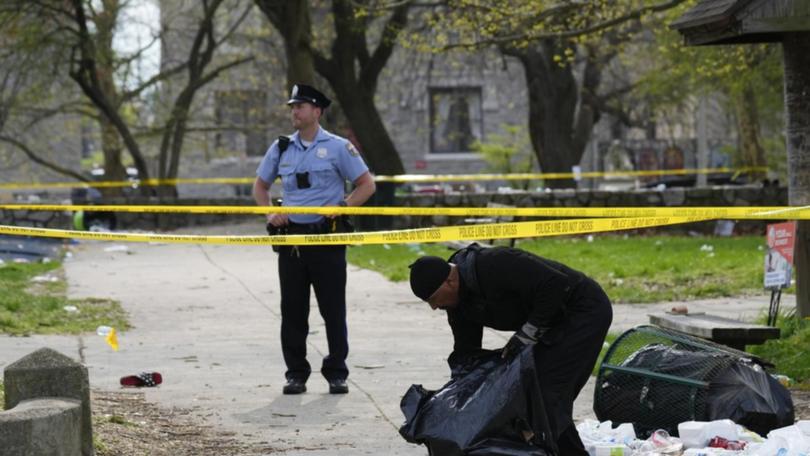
307 94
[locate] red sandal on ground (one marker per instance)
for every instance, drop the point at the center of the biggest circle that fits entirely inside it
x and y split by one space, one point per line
142 379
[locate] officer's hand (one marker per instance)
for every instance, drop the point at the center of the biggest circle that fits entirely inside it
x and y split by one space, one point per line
278 220
526 335
334 216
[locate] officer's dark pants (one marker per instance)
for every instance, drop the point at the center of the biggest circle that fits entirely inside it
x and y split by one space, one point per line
324 268
565 363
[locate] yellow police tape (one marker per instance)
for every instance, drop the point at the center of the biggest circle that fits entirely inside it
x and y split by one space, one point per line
737 213
402 178
421 235
416 178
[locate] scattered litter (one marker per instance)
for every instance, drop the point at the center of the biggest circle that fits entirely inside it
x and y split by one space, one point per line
697 438
706 248
784 380
680 310
148 379
46 260
369 366
285 415
44 279
71 309
601 438
21 260
386 247
108 333
589 238
659 443
724 228
117 248
719 442
698 434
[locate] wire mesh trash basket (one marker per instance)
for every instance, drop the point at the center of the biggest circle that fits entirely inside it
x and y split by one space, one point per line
656 378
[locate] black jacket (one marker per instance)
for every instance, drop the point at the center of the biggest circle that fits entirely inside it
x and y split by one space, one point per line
503 288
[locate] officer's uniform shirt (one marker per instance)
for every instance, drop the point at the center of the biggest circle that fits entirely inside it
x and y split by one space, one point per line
330 161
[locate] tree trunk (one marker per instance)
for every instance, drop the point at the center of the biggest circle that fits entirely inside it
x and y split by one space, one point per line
751 152
105 21
292 19
796 48
300 66
561 114
375 143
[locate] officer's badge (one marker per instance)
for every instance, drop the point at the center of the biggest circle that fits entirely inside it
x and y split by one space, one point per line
352 150
321 153
294 92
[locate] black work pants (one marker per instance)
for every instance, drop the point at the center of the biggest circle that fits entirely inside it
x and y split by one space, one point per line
565 363
323 268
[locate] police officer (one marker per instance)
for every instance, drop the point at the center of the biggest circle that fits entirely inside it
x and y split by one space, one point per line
314 165
561 312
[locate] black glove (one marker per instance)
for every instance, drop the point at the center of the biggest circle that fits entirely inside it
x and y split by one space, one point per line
526 335
272 230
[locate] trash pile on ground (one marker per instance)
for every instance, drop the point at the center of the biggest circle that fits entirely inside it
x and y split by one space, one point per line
697 438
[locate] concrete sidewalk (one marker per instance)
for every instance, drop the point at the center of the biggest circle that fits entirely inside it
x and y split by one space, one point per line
207 318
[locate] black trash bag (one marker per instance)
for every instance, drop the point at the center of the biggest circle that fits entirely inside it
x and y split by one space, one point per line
738 389
746 394
492 407
650 403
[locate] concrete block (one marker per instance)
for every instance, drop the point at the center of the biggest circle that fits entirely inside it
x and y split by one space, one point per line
42 427
48 373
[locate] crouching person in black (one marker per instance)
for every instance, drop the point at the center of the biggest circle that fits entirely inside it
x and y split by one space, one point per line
561 312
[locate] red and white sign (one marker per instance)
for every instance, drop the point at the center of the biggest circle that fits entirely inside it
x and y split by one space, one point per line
781 238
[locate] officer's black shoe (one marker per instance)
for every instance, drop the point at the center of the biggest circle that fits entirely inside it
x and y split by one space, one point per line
295 386
338 386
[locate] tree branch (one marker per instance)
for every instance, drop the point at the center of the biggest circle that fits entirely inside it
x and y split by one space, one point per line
371 71
635 14
37 159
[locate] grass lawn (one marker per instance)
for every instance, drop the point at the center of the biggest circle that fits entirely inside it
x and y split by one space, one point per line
31 306
632 269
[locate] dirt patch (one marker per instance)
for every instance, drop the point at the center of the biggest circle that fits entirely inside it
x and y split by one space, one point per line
801 404
124 424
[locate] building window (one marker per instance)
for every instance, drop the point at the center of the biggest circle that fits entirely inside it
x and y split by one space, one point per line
241 116
88 142
455 119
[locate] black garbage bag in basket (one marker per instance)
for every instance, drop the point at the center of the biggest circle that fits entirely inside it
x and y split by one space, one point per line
656 378
491 407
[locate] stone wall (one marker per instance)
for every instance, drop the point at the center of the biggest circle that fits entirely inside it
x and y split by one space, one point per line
672 197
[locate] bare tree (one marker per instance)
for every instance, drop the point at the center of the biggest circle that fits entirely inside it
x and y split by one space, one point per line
84 30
